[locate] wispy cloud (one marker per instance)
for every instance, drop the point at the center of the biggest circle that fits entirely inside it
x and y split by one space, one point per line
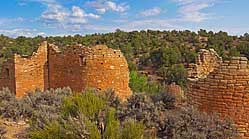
9 21
102 6
153 24
79 16
151 12
21 32
192 10
54 13
57 14
143 24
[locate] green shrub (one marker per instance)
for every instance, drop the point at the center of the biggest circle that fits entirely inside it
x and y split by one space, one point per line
87 103
80 127
76 118
139 83
112 130
133 130
76 127
110 97
174 74
93 130
70 128
51 131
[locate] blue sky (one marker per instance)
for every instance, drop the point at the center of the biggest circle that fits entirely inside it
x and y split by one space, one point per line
68 17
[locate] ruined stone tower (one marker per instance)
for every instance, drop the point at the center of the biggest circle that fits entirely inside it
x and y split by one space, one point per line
223 88
77 67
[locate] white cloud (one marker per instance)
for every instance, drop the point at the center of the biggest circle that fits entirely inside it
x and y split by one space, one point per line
151 12
21 32
80 13
79 16
192 10
127 25
101 10
60 16
103 6
117 8
9 21
40 1
155 24
94 16
55 12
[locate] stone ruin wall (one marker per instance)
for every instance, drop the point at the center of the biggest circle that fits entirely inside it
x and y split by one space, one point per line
224 90
77 67
205 62
89 67
31 72
177 92
7 72
64 68
108 68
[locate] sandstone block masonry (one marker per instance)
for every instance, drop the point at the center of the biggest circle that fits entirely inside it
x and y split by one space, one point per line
205 62
78 67
224 89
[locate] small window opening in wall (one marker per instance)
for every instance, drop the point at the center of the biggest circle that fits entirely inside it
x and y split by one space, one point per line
82 60
103 55
7 72
118 55
101 63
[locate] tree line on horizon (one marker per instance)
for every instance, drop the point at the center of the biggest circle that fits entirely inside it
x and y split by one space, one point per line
166 52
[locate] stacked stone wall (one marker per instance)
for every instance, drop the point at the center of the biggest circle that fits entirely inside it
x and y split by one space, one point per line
205 62
177 92
89 67
225 90
65 69
7 72
31 72
107 68
77 67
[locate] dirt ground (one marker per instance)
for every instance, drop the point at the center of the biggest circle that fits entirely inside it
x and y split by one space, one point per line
15 130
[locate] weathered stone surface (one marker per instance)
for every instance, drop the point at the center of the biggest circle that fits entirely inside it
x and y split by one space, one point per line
77 67
206 61
31 72
177 92
225 90
7 72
